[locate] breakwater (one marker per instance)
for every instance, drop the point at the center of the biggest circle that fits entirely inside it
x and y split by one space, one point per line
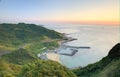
70 54
82 47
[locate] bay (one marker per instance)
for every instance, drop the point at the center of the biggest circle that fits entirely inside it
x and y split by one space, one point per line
99 38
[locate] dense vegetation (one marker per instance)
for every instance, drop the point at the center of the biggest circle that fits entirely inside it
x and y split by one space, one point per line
19 46
107 67
17 34
39 47
37 68
20 56
33 38
9 69
45 69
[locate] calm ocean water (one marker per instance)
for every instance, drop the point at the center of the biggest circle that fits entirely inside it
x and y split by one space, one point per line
100 38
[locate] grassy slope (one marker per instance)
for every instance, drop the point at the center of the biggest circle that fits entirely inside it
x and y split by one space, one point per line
13 35
37 68
25 41
31 37
45 69
107 67
39 47
20 56
9 69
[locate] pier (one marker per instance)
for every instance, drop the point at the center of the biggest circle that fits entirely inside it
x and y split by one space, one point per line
74 49
82 47
70 54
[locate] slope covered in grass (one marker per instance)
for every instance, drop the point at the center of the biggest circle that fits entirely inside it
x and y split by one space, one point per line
8 69
37 68
39 47
20 56
17 34
20 44
45 69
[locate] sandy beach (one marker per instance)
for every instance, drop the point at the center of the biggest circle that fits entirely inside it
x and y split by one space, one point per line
53 56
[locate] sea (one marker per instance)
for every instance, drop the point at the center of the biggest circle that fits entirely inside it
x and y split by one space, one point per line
100 39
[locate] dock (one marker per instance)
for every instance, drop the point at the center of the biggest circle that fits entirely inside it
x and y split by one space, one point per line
70 54
82 47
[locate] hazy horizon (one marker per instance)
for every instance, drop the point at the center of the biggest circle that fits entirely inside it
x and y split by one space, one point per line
102 12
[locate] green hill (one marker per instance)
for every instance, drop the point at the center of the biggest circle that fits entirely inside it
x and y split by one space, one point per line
16 34
20 56
109 66
45 69
9 69
31 37
19 46
37 68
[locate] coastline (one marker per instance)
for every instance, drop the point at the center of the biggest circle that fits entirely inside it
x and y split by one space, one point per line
54 54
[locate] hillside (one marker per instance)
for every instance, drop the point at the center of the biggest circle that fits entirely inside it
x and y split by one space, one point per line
13 35
19 57
37 68
19 46
109 66
9 69
45 69
31 37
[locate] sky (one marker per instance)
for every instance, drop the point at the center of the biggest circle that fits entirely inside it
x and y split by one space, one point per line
60 11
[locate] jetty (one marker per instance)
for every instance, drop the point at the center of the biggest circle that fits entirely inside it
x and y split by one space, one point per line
70 54
82 47
73 49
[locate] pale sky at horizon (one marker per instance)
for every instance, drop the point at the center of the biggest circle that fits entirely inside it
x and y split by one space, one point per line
60 11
